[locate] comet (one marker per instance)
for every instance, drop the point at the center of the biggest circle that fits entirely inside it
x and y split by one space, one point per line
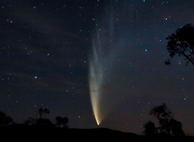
100 62
110 46
96 74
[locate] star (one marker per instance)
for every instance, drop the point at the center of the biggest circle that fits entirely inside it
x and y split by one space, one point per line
35 77
146 50
186 98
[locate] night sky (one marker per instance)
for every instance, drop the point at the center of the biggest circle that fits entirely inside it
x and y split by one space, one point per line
45 47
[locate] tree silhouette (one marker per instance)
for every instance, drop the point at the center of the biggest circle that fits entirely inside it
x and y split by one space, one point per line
34 122
163 115
42 122
5 120
62 122
176 128
181 43
150 129
42 111
168 126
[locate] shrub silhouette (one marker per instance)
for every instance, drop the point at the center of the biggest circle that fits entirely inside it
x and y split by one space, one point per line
150 129
5 120
62 122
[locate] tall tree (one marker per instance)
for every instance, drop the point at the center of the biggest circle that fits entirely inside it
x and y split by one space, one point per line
168 126
181 43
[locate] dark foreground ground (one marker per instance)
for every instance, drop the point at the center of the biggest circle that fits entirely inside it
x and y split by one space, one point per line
67 132
66 135
44 134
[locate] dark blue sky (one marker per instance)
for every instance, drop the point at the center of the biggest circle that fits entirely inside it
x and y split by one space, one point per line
44 49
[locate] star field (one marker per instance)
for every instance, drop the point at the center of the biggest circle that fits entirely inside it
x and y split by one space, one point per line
44 50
